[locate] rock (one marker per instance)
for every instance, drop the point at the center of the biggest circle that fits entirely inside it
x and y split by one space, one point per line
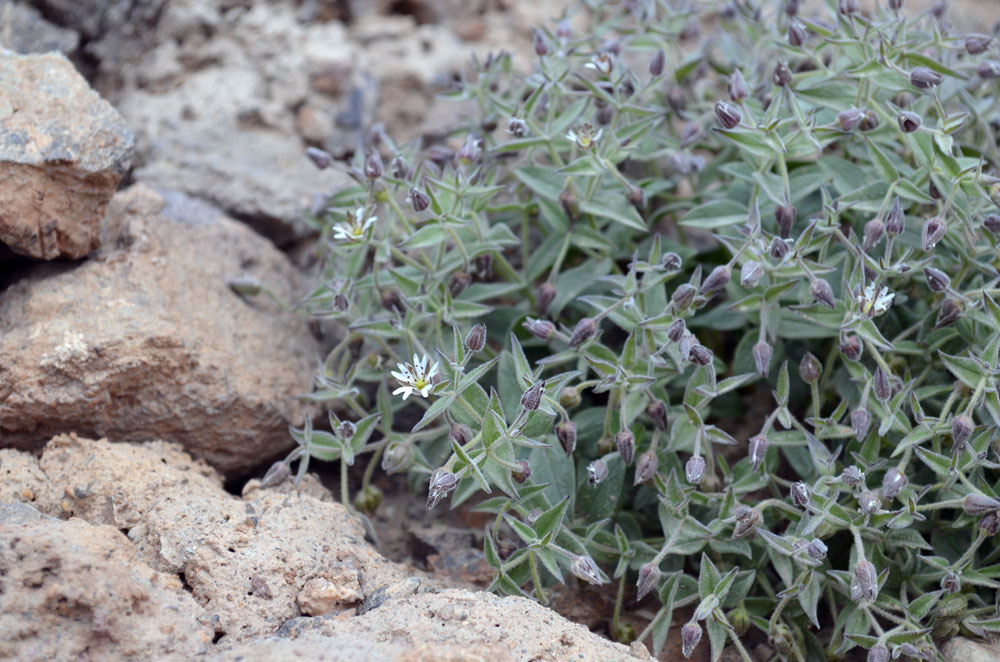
74 591
146 340
63 151
961 649
24 30
337 587
22 480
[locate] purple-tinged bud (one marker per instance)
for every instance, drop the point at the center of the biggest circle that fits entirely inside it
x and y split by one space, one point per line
977 43
657 410
469 152
893 483
782 74
758 448
458 282
864 585
475 340
850 119
895 5
848 6
925 78
569 204
762 353
541 43
861 420
874 229
522 472
676 329
533 396
564 30
701 355
980 504
869 120
751 274
716 280
541 328
346 430
816 549
585 568
895 221
937 280
881 385
461 434
950 311
800 494
517 127
636 197
810 368
990 523
932 190
992 223
988 70
597 471
932 232
778 248
961 429
852 476
645 467
390 301
677 100
823 293
340 302
694 469
852 348
397 457
690 636
785 218
373 165
689 135
878 653
544 297
728 116
747 521
685 344
656 64
584 331
671 261
320 157
649 577
683 295
737 87
796 34
950 583
399 168
569 397
276 474
908 122
566 434
625 442
869 502
419 200
442 484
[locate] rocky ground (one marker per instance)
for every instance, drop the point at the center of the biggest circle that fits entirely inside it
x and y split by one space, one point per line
117 324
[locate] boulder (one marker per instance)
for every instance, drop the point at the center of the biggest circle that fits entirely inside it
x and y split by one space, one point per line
146 340
63 151
23 29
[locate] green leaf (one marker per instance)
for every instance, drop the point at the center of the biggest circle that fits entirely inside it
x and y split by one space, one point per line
546 182
715 214
809 596
964 368
708 577
614 207
782 392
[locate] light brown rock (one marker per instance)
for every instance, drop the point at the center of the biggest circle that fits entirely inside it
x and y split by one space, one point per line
63 151
74 591
337 587
146 340
962 649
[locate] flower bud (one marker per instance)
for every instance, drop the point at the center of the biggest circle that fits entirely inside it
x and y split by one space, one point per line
990 523
951 584
566 434
869 502
373 165
747 521
878 653
533 396
895 4
390 301
346 430
751 274
694 470
992 223
541 328
636 197
932 190
961 429
796 34
758 448
419 200
544 297
860 421
810 368
785 217
585 568
852 348
893 483
800 494
649 577
458 282
276 474
517 127
895 221
522 472
340 302
762 353
676 329
737 87
874 229
716 280
932 232
782 74
442 483
908 122
980 504
792 7
848 6
399 168
881 386
469 151
646 466
950 311
397 457
816 549
671 261
690 636
728 116
988 70
925 78
683 295
676 100
780 637
584 331
823 293
852 476
850 119
657 62
569 204
541 43
569 397
778 248
657 410
937 280
864 585
475 340
320 158
625 442
461 434
597 471
701 355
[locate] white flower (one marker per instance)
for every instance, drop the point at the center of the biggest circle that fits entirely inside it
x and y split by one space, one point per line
873 305
355 227
584 135
415 377
601 62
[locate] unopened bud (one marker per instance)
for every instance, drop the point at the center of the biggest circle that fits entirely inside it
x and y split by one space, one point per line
657 410
694 469
881 386
569 397
932 232
276 474
461 433
848 6
569 204
988 70
469 151
533 396
701 355
850 119
646 466
992 223
990 523
442 483
340 302
782 74
399 168
852 348
458 282
671 261
852 476
320 158
762 353
977 43
585 568
544 297
816 549
541 328
475 340
728 116
950 311
785 218
625 442
541 43
932 190
823 293
878 653
677 101
747 521
597 471
758 448
925 78
893 483
778 248
895 221
584 331
649 577
397 457
961 429
737 87
861 420
980 504
522 472
810 368
683 295
346 430
419 200
869 502
373 165
864 585
895 4
937 280
676 329
800 494
796 34
751 274
690 636
951 584
566 434
656 64
636 197
908 122
874 229
517 127
716 280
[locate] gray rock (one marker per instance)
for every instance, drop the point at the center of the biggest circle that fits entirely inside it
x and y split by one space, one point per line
24 30
63 151
12 514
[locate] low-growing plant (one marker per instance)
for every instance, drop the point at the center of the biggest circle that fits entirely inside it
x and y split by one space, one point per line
704 304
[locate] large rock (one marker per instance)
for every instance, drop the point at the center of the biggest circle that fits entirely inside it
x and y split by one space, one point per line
146 340
63 151
24 30
74 591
